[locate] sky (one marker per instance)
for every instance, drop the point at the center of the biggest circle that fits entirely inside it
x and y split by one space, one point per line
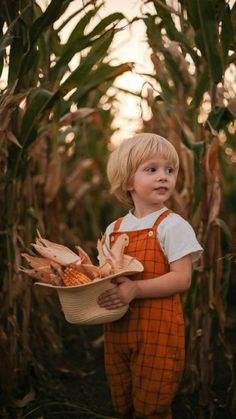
128 46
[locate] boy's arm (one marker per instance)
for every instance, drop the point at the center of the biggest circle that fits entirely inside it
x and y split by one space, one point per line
176 281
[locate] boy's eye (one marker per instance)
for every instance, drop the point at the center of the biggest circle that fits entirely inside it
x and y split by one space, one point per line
150 169
169 170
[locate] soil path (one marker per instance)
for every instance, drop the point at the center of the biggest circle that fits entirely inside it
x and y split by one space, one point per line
77 387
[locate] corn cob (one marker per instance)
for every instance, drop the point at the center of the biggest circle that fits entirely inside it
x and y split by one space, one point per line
74 277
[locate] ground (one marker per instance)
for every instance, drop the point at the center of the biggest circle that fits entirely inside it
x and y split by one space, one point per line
77 387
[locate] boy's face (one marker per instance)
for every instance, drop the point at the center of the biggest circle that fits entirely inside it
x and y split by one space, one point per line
152 185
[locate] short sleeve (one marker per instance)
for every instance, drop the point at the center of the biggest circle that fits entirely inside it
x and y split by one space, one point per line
178 239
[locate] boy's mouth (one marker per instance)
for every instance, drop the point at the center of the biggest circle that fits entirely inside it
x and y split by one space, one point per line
161 189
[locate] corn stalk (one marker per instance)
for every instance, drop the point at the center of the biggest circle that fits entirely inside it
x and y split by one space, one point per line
193 105
52 156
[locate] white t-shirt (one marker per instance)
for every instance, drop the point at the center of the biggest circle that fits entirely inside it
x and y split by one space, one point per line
176 236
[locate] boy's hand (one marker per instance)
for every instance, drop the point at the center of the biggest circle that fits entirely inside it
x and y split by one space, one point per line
119 296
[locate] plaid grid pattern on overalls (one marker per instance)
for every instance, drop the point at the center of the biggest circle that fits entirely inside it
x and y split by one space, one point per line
144 351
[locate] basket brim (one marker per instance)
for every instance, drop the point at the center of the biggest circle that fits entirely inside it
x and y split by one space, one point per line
79 302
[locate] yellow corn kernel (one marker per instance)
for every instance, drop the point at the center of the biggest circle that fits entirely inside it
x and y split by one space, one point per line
74 277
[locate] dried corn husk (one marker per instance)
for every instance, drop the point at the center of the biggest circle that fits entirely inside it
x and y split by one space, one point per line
58 265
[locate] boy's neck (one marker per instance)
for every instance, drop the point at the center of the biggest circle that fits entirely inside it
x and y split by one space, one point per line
142 212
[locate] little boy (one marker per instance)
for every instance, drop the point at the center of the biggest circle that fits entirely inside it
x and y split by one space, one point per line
144 350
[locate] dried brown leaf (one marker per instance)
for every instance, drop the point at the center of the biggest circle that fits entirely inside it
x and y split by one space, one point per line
5 117
26 399
37 154
214 201
11 137
211 160
53 179
75 184
75 116
212 180
183 65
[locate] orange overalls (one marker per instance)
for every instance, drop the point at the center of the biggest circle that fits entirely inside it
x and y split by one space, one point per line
144 350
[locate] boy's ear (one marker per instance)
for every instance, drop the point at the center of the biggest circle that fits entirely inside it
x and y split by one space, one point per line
130 188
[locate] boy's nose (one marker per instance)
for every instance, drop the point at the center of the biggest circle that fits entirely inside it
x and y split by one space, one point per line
161 176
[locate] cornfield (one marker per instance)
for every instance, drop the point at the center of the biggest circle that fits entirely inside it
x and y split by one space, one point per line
192 53
55 132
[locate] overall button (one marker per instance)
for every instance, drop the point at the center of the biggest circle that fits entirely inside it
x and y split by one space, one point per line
150 233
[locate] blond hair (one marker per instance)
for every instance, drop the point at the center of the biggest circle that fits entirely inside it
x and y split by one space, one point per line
127 157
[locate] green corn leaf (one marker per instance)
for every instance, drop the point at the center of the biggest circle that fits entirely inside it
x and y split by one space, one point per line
210 38
225 238
15 57
104 73
167 91
71 16
78 31
77 42
202 16
202 85
29 78
155 39
96 53
219 118
14 36
186 140
44 52
38 102
111 19
173 68
62 64
1 51
5 40
233 23
226 35
51 14
194 18
193 15
198 149
172 31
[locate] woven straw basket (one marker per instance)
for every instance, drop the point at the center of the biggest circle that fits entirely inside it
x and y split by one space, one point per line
79 302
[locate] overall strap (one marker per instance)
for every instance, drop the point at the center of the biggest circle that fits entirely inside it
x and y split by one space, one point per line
155 225
161 218
117 224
